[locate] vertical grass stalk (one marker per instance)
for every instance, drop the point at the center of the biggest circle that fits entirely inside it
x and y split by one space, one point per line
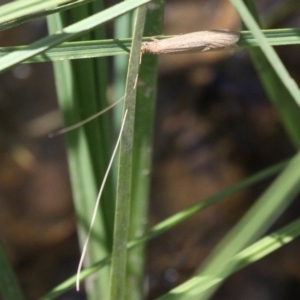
123 200
142 155
76 103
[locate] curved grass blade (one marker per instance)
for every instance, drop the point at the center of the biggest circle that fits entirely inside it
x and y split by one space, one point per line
27 18
167 224
287 108
18 9
256 221
69 32
253 253
268 51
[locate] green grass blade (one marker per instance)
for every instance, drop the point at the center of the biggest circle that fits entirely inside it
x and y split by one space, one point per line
183 215
46 12
91 78
89 159
122 215
107 138
268 51
275 37
18 9
256 221
142 156
83 181
9 286
103 48
266 245
69 32
170 223
123 29
253 253
286 107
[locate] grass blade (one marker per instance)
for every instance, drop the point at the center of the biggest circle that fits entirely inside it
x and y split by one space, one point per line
142 156
86 165
268 51
83 182
122 215
69 32
253 253
170 223
9 285
23 19
286 107
18 9
256 221
103 48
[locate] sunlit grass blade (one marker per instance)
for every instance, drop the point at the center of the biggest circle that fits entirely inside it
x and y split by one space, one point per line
84 185
108 132
184 215
46 12
91 77
69 32
266 245
253 253
17 9
171 222
89 159
282 99
256 221
269 52
123 29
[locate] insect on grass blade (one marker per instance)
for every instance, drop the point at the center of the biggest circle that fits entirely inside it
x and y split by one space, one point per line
200 41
